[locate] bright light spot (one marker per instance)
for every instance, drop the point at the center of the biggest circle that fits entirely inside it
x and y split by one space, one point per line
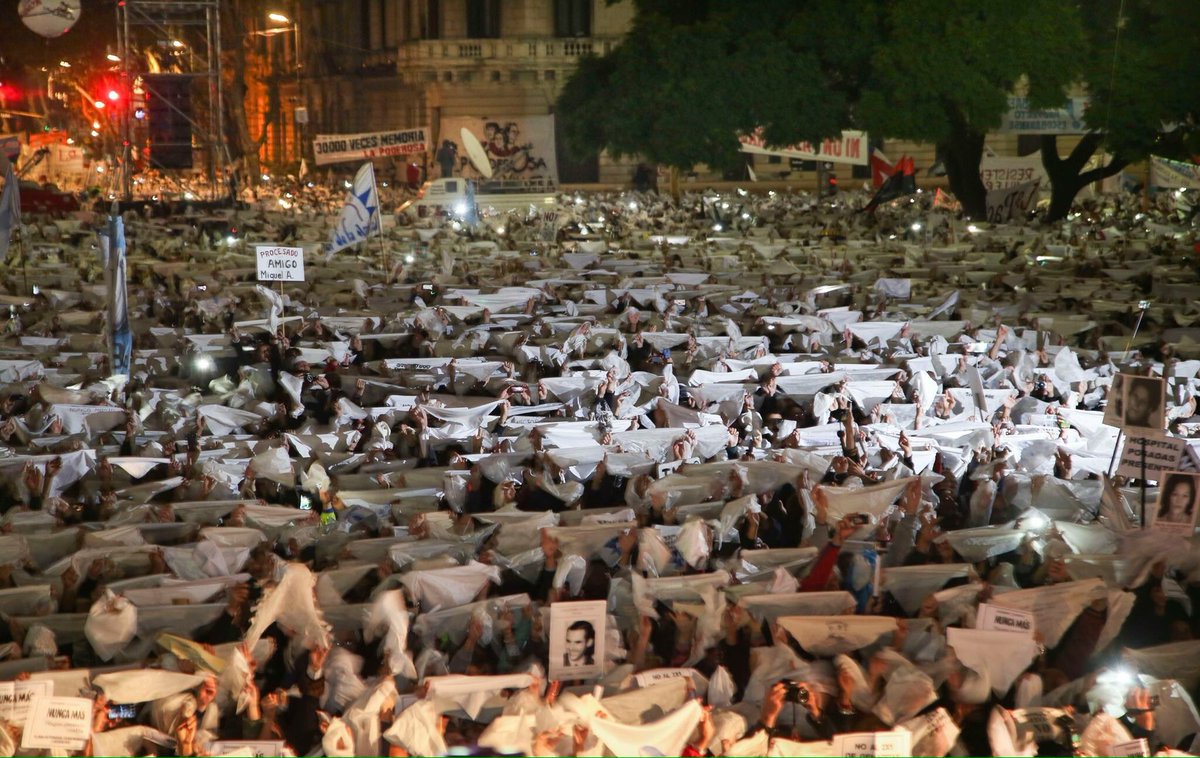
113 58
95 124
188 196
345 184
310 185
919 190
717 227
279 18
95 134
972 229
460 208
456 226
204 363
771 193
176 44
113 95
231 240
409 258
266 177
284 204
99 105
64 64
1178 193
916 227
383 184
891 236
601 219
746 216
632 205
500 230
579 201
1036 522
724 206
70 141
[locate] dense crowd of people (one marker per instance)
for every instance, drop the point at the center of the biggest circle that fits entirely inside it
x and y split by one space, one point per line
811 462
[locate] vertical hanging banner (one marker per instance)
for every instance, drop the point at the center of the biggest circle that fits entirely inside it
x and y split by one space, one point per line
519 148
1173 174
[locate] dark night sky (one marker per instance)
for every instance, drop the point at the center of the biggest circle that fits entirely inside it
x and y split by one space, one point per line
19 46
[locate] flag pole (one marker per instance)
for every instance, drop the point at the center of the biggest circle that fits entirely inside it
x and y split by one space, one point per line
387 269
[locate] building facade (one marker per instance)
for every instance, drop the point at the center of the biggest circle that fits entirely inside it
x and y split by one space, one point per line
373 65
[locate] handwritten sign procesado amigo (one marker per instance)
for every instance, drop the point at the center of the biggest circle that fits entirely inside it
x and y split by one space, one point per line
280 264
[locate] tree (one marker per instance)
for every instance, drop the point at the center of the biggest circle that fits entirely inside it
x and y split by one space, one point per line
940 71
944 71
1144 84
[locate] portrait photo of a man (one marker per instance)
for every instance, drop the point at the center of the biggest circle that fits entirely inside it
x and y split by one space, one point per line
577 639
1143 406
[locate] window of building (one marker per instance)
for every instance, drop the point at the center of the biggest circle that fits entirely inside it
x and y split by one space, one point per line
483 19
572 18
429 19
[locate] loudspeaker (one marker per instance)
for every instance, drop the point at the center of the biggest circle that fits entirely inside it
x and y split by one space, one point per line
168 116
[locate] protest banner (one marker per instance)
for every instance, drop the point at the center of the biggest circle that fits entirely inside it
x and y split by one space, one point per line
16 697
58 724
1006 173
850 147
1023 118
280 264
1004 205
343 148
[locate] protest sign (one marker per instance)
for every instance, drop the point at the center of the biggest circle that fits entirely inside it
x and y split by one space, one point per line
280 264
1000 619
1159 452
577 639
1177 499
1004 205
850 147
252 748
897 743
342 148
1131 748
58 724
16 697
1143 406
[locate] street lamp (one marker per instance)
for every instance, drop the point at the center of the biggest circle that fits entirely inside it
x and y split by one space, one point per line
279 18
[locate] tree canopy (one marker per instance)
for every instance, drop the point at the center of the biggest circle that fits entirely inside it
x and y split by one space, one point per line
690 75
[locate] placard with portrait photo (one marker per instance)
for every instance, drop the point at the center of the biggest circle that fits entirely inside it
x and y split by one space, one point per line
1176 508
577 639
1144 404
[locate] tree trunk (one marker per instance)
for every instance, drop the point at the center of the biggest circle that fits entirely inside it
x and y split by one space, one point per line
236 41
963 151
1065 177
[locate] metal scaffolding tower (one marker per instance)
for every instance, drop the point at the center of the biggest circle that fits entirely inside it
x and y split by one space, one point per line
178 37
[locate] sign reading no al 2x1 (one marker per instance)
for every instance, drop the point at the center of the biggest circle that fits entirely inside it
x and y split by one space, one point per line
280 264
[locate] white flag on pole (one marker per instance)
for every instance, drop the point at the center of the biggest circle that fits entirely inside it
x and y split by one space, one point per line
360 215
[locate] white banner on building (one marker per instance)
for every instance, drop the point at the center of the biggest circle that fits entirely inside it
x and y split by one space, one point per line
1173 174
1023 119
1006 173
342 148
280 264
850 148
518 147
1003 205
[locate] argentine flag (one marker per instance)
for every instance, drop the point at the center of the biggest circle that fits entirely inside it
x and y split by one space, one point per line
360 214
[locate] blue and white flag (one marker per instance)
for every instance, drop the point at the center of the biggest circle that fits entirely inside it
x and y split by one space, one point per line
112 251
360 214
10 208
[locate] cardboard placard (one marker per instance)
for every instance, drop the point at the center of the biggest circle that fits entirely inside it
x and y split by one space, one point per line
897 743
58 724
1178 498
577 632
280 264
997 618
1162 453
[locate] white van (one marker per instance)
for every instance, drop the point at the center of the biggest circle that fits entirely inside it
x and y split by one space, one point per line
451 196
